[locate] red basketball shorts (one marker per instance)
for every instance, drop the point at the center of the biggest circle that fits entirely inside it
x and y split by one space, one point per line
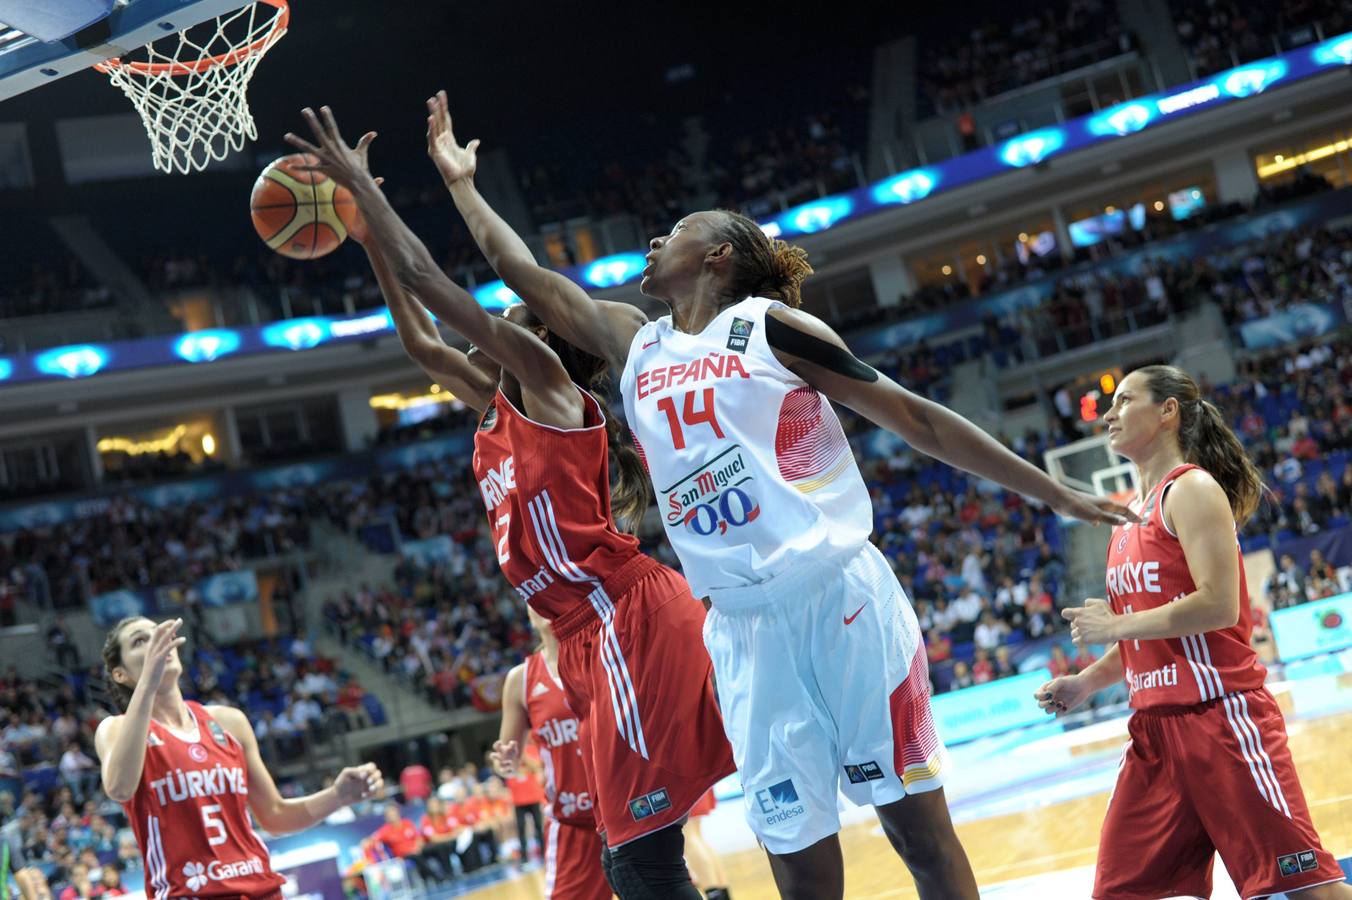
706 805
634 667
573 863
1196 780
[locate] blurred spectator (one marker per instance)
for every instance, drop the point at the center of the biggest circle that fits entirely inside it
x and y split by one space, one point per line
399 836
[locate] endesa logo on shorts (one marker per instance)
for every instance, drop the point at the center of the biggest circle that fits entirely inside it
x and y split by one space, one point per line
779 802
714 497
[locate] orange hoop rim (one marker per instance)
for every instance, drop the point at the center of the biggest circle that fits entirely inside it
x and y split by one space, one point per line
206 63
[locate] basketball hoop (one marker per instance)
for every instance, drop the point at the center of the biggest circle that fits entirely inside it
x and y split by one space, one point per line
192 98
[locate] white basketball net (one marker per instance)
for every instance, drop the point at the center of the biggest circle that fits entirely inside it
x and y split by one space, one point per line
192 98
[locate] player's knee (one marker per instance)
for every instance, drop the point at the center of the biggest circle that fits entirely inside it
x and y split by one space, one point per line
922 844
651 868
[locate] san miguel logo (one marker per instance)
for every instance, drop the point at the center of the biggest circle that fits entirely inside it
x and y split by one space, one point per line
712 498
1329 618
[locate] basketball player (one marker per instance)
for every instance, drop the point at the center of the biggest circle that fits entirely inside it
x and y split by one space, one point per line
628 628
706 869
1207 768
819 662
534 699
184 773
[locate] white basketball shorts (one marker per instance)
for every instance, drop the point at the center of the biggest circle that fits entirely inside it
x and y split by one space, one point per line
824 686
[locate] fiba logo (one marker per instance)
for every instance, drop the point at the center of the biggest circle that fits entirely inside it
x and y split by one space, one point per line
195 873
197 752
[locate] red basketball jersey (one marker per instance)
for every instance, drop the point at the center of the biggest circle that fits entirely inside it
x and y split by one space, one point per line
1147 569
556 729
190 817
547 491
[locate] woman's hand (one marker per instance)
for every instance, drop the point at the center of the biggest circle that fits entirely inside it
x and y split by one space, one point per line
345 165
453 161
1061 695
164 642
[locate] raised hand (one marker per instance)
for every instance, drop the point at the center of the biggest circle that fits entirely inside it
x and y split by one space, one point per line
164 642
1061 695
358 783
345 165
505 756
453 161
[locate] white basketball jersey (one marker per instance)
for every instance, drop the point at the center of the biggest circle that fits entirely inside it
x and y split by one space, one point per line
750 465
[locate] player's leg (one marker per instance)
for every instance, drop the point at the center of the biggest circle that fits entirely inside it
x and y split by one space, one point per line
706 869
1250 799
815 872
1152 843
657 737
781 732
921 831
653 868
873 674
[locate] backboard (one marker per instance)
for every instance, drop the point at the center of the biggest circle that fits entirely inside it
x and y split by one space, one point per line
27 61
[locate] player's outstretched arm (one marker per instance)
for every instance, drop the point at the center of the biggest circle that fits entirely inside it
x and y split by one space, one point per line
278 815
813 351
603 328
447 366
506 753
520 352
1199 512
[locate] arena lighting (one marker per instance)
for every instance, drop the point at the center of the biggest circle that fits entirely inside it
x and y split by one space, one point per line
404 401
209 444
818 215
1337 52
369 324
609 271
297 334
1108 383
1282 163
1032 148
138 448
906 187
205 346
1249 80
1195 96
1122 119
76 361
495 295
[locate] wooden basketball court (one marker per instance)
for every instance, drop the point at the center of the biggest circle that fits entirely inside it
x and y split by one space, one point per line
1041 840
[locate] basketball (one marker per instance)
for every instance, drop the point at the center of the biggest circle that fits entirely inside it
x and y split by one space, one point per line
303 215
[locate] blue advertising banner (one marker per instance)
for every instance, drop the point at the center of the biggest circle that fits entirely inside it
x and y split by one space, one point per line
1298 322
223 589
989 708
110 608
1322 626
228 588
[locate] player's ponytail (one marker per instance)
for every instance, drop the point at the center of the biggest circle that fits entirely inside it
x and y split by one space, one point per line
762 266
112 658
1207 441
630 493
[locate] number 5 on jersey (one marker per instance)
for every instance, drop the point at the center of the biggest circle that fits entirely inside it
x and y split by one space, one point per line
689 415
211 821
